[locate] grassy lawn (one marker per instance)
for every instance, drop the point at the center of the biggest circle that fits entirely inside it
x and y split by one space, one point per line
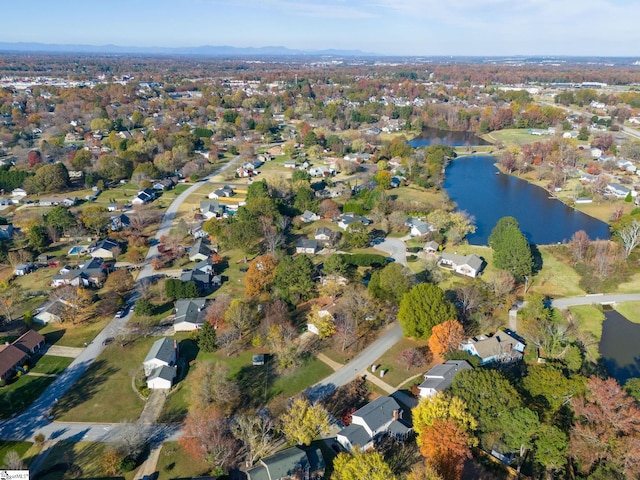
104 393
174 462
630 286
414 193
21 393
556 277
38 280
51 365
631 310
396 372
590 319
514 136
83 455
21 448
68 335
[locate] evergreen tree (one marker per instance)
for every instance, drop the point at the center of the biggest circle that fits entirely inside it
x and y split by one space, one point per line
207 338
422 308
511 250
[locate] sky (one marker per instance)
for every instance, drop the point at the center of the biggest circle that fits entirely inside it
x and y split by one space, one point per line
386 27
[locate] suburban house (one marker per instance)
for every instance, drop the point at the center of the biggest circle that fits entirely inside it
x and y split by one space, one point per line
211 209
502 346
89 273
16 354
321 171
305 245
618 190
441 376
164 184
325 235
419 227
161 378
190 314
431 247
144 196
53 313
112 207
6 231
202 279
290 164
119 222
308 216
292 463
225 191
163 353
381 417
200 251
104 248
205 266
467 265
24 269
349 219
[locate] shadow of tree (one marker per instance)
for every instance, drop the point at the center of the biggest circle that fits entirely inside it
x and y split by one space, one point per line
256 384
86 387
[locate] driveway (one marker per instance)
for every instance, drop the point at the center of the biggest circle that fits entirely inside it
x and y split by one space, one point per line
395 248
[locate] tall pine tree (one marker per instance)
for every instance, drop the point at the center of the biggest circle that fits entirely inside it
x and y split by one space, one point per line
511 250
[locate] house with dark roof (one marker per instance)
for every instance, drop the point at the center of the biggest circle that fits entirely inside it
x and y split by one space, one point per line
467 265
202 279
163 353
90 273
30 342
308 216
200 250
441 376
381 417
161 378
211 209
503 346
292 463
205 266
53 313
144 196
431 247
104 248
304 245
348 219
118 222
419 227
190 314
11 358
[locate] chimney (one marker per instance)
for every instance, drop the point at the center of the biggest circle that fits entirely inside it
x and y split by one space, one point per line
396 414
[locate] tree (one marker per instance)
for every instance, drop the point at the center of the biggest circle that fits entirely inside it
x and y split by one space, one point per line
303 422
583 134
240 316
293 280
12 461
391 283
260 275
114 168
445 445
61 218
414 357
121 281
256 434
446 337
207 338
359 465
521 428
511 250
356 236
210 384
606 428
549 387
207 436
630 237
10 296
579 244
323 322
551 447
48 178
76 300
38 237
94 217
423 307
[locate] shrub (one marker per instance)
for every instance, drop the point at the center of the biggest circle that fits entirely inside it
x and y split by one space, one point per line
39 438
127 464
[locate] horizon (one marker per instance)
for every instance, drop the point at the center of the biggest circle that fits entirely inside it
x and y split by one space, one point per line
494 28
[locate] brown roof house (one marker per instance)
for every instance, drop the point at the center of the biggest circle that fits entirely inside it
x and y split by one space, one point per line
15 355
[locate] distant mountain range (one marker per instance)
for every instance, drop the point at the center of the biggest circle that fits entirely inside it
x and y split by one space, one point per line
205 50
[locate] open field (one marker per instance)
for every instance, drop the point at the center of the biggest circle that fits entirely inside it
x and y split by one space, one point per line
67 335
21 393
26 450
104 393
51 365
513 136
590 319
174 462
556 277
396 371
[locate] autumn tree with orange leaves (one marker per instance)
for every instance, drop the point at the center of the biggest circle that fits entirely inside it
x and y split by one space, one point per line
260 275
446 337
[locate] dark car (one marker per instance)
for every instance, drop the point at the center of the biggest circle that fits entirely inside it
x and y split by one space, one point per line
107 341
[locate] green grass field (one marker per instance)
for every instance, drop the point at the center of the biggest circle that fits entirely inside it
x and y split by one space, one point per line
51 365
21 448
396 371
513 136
104 393
67 335
590 319
175 462
21 393
631 310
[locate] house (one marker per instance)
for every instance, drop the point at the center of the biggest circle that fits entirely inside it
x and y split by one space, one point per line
618 190
321 171
104 248
144 196
18 192
305 245
201 279
11 358
292 164
257 360
6 232
431 247
90 273
119 222
289 464
419 227
70 201
200 250
23 269
161 378
30 342
324 234
381 417
502 346
112 207
322 314
53 313
441 376
211 209
205 266
308 217
349 219
190 314
225 191
163 353
467 265
165 184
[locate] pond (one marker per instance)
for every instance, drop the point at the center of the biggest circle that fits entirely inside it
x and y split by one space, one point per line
476 185
433 136
619 346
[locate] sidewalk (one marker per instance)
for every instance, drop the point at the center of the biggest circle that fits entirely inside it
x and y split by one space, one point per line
41 457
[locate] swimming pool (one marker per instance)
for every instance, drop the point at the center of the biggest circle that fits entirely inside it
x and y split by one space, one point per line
77 250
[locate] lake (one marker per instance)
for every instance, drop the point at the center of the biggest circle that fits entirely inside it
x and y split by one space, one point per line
433 136
472 183
619 346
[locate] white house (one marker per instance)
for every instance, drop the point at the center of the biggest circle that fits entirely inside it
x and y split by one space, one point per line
307 246
419 227
308 216
190 313
441 376
618 190
161 378
467 265
163 353
502 346
144 196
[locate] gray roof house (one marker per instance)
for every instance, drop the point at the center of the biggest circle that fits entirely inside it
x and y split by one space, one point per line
200 251
308 216
383 416
190 314
103 248
441 376
202 279
349 219
419 227
211 209
503 346
288 464
467 265
305 245
163 353
161 377
205 266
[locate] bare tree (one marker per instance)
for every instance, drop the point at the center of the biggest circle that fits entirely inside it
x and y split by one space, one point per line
12 461
216 308
630 236
579 244
256 434
604 257
346 330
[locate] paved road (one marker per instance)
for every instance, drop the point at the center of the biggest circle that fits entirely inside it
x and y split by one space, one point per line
563 303
35 418
396 249
358 365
